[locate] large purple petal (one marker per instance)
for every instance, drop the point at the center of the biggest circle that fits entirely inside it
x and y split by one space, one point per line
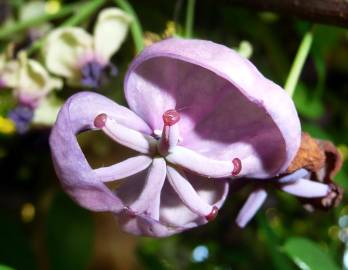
228 109
78 179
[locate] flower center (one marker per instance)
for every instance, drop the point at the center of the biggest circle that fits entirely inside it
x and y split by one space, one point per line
167 160
168 146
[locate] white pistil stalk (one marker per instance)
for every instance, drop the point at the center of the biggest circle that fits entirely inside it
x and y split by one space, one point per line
251 206
306 188
123 169
123 135
170 134
188 194
149 200
202 165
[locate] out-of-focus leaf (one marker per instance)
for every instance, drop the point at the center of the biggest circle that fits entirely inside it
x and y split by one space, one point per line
278 259
7 102
307 255
306 103
316 131
4 267
15 249
327 38
70 234
342 176
320 66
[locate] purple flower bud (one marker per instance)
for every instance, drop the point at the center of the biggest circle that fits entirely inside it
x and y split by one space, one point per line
200 115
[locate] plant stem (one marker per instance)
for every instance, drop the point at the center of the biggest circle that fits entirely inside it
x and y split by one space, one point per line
84 12
136 29
190 15
299 62
22 25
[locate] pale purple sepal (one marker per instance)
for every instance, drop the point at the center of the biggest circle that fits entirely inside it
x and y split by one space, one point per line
251 206
228 109
293 183
306 188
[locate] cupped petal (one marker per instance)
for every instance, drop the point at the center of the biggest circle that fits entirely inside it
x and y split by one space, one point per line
64 50
144 225
77 177
110 31
228 109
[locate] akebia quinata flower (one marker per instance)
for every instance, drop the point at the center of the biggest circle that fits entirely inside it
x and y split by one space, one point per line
200 116
81 58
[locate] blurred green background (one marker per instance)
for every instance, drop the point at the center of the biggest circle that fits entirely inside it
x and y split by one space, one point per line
41 228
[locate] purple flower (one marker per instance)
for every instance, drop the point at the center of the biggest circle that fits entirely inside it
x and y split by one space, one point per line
21 116
199 115
309 177
94 75
85 60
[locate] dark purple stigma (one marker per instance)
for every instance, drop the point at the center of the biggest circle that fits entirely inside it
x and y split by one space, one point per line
171 117
94 74
237 166
212 215
99 121
21 116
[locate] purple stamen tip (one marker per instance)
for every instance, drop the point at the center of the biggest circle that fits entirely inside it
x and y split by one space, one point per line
237 166
99 121
212 215
171 117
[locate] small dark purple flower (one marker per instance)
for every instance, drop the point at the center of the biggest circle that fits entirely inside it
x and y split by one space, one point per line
21 116
200 116
85 59
94 75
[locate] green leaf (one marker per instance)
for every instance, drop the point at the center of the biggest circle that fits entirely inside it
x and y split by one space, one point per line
70 235
316 131
4 267
15 248
307 104
342 176
307 255
278 259
7 102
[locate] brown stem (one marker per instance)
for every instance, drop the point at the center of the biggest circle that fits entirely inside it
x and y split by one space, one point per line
321 11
